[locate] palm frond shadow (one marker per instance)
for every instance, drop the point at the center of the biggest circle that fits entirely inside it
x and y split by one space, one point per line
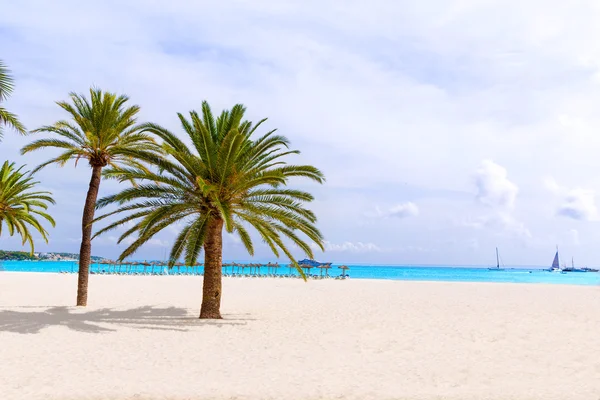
106 320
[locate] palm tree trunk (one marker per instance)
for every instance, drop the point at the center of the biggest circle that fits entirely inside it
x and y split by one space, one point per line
85 251
213 257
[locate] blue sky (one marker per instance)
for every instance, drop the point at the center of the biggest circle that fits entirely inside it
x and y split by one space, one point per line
445 128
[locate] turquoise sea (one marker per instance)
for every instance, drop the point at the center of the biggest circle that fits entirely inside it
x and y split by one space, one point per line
390 272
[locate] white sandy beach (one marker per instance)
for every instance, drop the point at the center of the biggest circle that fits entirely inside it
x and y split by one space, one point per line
285 339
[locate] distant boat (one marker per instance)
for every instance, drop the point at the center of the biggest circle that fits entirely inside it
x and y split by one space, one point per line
311 263
569 269
497 263
573 269
555 264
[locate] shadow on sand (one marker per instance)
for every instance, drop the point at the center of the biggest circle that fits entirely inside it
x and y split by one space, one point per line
106 319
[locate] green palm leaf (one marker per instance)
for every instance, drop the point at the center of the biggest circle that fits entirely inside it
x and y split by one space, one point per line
6 88
19 206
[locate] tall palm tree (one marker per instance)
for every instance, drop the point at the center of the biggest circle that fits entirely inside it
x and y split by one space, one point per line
104 132
6 88
225 180
20 206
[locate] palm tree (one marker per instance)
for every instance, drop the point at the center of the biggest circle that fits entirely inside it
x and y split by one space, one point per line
6 88
225 180
20 206
104 132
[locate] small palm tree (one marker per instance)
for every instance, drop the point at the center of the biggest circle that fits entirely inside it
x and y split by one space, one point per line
20 207
6 88
103 131
225 180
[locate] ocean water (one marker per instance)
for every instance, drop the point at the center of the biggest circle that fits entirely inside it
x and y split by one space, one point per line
390 272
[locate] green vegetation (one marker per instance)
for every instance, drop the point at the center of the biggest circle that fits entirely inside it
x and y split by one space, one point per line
103 130
16 256
6 88
226 180
7 255
20 206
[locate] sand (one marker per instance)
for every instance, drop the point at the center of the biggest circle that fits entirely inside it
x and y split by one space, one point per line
285 339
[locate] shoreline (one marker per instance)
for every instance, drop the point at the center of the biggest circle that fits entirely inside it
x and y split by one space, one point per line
266 278
594 282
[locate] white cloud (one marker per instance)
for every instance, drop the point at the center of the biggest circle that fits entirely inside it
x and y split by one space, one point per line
573 234
414 249
232 238
577 203
103 240
157 242
551 184
498 194
402 210
500 223
352 247
473 243
493 187
506 223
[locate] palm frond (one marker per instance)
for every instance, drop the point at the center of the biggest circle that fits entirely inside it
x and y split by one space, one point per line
102 129
9 119
20 205
6 82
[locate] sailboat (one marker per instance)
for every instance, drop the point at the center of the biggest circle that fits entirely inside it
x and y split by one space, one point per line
555 264
497 263
573 269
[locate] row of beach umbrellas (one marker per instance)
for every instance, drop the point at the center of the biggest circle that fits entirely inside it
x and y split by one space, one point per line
237 269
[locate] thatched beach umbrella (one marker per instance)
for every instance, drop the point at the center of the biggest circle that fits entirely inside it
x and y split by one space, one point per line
146 265
275 268
321 268
187 268
344 268
224 267
307 268
179 265
113 265
325 267
103 262
134 266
